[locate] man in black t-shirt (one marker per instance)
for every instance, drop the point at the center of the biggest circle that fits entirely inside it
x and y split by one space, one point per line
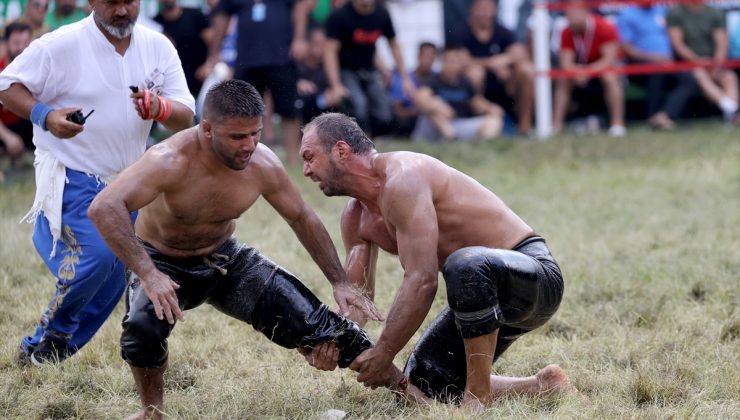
270 35
501 67
352 32
451 107
188 29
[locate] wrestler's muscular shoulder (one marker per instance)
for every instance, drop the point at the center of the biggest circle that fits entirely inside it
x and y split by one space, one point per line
265 169
174 157
409 177
171 159
370 221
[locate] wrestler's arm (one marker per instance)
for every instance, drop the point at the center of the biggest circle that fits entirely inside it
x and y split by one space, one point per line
282 194
407 204
361 256
134 188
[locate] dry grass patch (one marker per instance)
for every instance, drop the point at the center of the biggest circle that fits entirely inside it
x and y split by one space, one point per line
646 229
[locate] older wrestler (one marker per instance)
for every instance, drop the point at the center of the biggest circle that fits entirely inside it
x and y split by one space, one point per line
501 280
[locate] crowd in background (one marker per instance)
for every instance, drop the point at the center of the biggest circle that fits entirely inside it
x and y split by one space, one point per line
309 56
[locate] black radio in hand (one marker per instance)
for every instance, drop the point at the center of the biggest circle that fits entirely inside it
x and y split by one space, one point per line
77 117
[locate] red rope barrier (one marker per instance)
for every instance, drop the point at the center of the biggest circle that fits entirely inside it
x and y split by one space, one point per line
595 4
635 69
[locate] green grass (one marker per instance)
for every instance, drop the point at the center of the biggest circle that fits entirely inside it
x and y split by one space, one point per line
646 229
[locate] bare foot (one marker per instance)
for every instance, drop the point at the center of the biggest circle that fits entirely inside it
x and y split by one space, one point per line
554 380
149 413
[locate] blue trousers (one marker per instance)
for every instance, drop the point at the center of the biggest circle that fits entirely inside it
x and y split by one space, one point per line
89 278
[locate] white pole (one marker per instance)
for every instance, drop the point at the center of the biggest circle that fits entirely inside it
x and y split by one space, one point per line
542 87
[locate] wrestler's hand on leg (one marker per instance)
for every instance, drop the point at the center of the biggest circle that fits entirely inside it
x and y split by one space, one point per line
352 300
322 357
160 289
375 367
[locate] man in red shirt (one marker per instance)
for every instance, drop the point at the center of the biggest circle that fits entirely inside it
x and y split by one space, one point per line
589 43
16 133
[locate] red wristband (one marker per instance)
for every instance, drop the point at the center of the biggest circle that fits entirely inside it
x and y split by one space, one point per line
146 106
165 109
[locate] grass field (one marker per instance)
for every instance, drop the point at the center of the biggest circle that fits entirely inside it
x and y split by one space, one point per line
646 229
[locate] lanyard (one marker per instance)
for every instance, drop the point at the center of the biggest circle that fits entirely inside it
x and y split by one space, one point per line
583 44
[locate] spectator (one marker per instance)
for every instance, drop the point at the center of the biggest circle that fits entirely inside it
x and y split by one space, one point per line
451 107
312 84
35 16
89 64
589 43
271 34
16 133
502 68
697 33
404 110
645 40
352 32
188 29
64 13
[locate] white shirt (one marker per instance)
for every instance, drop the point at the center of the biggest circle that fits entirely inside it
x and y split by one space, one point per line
76 66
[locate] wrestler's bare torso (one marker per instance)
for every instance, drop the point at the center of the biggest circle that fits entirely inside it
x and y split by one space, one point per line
198 211
467 213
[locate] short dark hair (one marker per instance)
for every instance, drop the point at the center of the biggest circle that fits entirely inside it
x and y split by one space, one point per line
427 44
232 99
16 27
332 127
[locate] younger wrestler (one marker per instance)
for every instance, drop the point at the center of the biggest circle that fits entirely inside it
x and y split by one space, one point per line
501 280
190 190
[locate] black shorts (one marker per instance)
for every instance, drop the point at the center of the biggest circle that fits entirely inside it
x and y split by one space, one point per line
512 291
280 81
238 281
